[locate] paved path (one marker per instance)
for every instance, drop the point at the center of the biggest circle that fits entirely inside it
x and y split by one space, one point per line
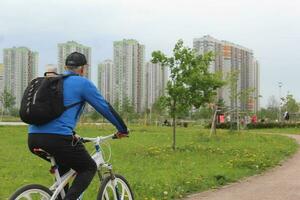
12 124
280 183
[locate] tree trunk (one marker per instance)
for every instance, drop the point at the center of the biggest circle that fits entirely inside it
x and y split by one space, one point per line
174 133
174 125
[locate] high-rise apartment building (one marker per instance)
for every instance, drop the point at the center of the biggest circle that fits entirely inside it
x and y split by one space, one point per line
129 73
156 82
20 67
65 49
1 78
229 58
106 80
256 82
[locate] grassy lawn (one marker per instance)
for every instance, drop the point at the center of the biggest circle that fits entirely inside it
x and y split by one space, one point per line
147 161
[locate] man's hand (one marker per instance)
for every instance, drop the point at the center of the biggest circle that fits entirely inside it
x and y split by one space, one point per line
120 135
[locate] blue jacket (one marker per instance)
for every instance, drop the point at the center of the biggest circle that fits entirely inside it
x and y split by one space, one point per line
79 89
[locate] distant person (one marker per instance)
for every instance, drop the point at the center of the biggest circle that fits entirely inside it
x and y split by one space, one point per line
228 119
166 123
254 119
286 116
51 71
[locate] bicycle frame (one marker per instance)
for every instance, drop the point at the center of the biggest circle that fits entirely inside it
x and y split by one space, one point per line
61 182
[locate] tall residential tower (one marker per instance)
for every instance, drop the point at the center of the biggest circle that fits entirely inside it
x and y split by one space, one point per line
156 82
129 73
65 49
106 80
20 67
231 58
1 78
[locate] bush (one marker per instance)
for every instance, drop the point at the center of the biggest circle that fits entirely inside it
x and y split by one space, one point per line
273 125
259 125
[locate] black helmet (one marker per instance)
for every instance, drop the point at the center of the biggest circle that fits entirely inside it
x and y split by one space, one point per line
76 59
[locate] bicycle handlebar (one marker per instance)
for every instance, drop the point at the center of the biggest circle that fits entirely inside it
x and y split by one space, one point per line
98 139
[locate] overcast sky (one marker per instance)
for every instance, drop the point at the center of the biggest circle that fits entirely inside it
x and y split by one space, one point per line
271 28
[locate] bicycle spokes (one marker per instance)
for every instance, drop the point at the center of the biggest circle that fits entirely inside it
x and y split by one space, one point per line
34 195
118 192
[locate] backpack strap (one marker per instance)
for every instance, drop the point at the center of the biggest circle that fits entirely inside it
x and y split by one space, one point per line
67 75
73 104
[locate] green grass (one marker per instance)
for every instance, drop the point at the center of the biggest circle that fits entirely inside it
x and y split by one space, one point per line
147 161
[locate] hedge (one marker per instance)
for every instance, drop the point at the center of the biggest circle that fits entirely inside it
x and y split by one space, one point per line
259 125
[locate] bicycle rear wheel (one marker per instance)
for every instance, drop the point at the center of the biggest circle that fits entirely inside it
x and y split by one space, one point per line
108 191
32 192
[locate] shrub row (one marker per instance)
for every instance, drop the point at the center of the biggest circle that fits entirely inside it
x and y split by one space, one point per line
258 125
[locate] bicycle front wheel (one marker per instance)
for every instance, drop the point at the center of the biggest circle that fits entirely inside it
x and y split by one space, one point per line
32 192
120 191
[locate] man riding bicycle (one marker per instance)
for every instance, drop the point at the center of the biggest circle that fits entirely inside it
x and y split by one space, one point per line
56 137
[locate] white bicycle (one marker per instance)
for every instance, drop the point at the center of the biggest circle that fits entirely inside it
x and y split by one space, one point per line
113 186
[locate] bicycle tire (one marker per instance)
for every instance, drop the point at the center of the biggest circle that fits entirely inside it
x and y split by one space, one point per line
35 188
120 180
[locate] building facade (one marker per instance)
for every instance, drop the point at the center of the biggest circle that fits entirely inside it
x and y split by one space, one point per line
65 49
129 73
20 67
156 82
230 58
1 78
106 80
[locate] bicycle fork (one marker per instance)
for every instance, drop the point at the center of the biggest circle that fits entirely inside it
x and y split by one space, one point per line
114 183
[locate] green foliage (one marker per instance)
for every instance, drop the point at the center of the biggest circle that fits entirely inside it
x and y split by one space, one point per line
95 115
8 101
145 159
191 84
270 113
126 110
290 104
243 96
203 112
272 110
259 125
159 106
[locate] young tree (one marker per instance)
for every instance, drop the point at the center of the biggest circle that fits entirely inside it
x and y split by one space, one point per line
128 110
237 97
7 100
191 82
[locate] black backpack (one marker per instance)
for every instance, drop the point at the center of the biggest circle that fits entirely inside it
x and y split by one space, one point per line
43 100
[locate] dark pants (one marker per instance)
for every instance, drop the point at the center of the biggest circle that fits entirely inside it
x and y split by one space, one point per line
67 155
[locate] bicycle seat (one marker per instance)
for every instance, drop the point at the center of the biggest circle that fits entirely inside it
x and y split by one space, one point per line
41 152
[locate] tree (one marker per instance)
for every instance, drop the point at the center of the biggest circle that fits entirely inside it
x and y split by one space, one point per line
237 97
271 111
158 109
290 104
272 102
94 115
7 100
128 111
204 112
191 82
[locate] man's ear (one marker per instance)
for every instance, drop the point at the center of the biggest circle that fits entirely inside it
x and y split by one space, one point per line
81 70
